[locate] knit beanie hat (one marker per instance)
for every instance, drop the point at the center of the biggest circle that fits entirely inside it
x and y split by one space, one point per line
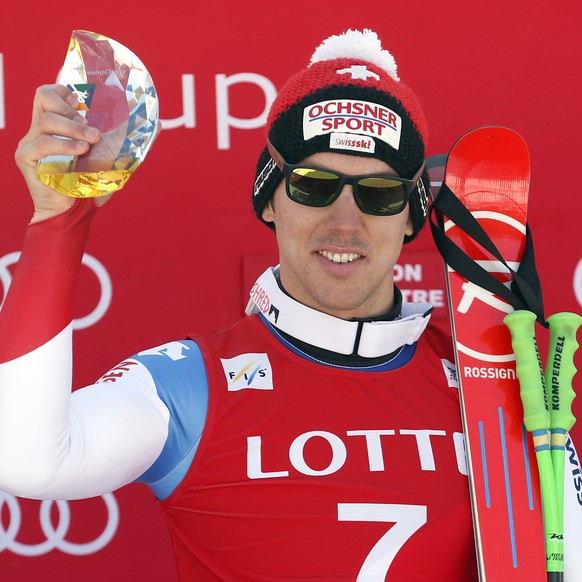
348 100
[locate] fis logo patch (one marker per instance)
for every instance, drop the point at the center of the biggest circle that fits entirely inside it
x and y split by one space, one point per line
84 93
248 371
450 371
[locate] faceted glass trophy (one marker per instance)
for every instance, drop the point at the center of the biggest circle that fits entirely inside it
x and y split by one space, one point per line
116 94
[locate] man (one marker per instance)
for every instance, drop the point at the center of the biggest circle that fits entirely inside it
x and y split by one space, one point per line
318 438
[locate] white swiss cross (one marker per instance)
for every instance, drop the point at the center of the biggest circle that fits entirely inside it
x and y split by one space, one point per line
359 72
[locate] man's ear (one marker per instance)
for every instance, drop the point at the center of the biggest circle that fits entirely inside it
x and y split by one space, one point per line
268 213
409 226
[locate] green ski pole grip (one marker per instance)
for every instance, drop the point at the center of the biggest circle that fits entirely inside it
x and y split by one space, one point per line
560 368
537 421
529 370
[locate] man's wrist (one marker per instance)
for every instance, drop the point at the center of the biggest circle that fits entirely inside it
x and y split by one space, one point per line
42 214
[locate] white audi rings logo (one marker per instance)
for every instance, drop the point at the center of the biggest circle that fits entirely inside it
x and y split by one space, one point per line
55 536
89 261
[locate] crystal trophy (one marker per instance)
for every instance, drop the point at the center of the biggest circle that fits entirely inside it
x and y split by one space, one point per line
115 94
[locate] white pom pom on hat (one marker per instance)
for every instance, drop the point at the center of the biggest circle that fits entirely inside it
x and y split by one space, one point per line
356 44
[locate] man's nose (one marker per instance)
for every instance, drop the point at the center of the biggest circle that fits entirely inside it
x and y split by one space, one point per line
343 213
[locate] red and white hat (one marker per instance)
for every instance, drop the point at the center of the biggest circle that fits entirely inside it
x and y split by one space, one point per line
348 100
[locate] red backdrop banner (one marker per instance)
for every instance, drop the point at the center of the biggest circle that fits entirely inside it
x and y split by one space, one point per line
176 251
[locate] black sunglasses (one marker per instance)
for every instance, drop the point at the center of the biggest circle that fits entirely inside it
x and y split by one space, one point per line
380 195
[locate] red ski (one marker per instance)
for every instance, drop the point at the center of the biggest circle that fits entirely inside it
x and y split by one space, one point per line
488 171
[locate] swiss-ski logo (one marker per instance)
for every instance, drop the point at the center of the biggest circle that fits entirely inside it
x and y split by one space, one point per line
347 141
248 371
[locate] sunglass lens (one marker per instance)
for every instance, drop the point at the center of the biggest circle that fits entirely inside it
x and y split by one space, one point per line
313 187
381 196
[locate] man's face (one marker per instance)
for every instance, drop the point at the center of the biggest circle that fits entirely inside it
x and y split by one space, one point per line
338 259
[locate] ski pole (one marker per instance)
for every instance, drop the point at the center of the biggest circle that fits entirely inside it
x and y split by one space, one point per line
536 419
560 371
